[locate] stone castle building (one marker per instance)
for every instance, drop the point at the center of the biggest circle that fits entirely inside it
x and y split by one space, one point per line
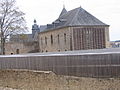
74 30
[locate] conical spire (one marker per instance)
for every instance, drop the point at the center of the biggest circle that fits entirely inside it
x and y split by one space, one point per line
63 11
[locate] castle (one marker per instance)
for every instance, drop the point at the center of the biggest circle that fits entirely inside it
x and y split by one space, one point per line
76 29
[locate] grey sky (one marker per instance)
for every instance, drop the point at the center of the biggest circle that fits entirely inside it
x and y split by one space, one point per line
46 11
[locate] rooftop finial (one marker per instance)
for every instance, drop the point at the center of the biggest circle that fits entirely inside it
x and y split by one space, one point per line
63 5
35 21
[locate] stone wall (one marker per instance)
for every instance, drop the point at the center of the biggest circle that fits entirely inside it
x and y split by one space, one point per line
107 37
74 38
90 37
60 40
46 80
21 47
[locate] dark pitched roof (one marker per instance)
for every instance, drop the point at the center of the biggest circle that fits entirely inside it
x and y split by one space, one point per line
79 16
75 17
43 27
64 11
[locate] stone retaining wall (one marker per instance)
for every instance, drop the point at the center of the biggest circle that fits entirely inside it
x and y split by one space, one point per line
46 80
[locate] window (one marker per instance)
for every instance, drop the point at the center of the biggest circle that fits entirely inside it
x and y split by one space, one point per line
65 38
51 39
58 39
46 40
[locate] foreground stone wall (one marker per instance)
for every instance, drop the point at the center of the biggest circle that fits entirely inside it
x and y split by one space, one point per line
21 47
46 80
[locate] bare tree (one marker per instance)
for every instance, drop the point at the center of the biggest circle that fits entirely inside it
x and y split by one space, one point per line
12 21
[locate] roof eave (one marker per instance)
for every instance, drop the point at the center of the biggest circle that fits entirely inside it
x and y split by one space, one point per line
52 29
88 25
47 30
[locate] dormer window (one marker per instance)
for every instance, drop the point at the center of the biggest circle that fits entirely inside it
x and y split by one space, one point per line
56 23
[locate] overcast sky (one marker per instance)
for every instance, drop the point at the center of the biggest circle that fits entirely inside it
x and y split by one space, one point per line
46 11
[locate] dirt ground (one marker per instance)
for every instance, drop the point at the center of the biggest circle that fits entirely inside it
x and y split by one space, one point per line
47 80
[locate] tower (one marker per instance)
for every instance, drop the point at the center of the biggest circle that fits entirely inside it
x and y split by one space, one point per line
35 28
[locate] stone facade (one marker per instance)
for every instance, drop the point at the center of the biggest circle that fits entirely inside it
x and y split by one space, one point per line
90 37
20 48
74 38
56 40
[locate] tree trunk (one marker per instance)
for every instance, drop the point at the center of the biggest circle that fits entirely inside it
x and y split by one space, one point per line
2 44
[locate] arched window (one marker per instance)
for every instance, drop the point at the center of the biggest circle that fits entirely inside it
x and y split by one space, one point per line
46 40
51 39
65 38
58 39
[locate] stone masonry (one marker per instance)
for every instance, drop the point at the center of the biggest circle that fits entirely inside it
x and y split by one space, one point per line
59 43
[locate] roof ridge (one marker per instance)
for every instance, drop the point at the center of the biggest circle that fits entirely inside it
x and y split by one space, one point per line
75 15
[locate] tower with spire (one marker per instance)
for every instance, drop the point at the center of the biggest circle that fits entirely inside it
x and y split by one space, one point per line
35 28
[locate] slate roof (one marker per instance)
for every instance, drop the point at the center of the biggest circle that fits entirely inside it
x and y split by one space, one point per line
42 27
75 17
64 11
